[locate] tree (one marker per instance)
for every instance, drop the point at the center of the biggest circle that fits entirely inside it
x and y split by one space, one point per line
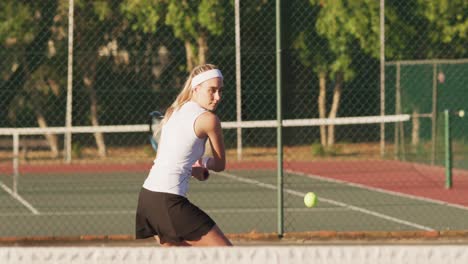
447 27
28 38
341 29
192 22
438 27
97 26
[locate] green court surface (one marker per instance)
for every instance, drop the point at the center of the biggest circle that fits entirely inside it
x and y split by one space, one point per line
240 201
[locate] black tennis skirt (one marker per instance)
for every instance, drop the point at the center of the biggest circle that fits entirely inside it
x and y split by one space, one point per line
173 218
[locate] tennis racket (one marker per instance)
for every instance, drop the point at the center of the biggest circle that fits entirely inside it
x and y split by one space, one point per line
155 119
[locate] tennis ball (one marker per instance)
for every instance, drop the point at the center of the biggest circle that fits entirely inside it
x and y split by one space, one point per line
310 199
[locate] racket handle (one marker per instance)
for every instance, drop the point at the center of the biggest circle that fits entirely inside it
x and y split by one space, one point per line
205 161
206 174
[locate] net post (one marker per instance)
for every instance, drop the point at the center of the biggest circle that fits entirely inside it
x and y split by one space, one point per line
448 151
397 111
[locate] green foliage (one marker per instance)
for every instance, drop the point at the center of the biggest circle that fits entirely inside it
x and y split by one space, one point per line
16 22
315 58
420 150
304 53
77 150
102 9
181 17
318 150
189 19
346 21
449 18
211 16
338 27
448 22
441 25
31 38
401 34
143 14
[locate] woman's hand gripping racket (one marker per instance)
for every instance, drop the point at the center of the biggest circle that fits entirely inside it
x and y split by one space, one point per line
155 120
199 171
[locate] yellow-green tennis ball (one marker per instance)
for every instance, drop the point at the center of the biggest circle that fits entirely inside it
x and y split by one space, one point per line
310 199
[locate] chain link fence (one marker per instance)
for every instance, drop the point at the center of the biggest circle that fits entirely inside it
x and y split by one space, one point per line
131 57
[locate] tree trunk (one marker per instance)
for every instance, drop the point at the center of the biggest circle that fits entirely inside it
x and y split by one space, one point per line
51 138
202 48
98 136
334 108
322 106
189 55
415 128
41 121
87 68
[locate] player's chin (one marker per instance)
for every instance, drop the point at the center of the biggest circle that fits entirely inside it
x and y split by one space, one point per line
212 107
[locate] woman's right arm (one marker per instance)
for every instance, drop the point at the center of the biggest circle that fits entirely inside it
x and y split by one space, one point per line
209 125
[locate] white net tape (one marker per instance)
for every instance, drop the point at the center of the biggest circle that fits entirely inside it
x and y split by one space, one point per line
225 125
391 254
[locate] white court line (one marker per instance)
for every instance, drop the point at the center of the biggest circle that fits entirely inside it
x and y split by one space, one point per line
20 199
361 186
115 212
272 210
330 201
126 212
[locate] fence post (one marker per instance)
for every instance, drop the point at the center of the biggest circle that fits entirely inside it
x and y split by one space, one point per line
15 162
279 119
68 121
448 151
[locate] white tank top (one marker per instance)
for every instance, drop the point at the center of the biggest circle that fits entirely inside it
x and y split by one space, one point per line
178 149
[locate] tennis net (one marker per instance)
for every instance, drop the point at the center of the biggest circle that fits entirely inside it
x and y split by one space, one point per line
394 254
136 135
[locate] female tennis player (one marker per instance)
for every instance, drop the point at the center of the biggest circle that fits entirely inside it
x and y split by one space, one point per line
163 209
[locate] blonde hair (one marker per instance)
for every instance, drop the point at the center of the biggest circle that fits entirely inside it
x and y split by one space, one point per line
186 94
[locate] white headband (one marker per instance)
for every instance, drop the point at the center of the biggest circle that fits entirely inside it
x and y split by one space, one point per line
206 75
